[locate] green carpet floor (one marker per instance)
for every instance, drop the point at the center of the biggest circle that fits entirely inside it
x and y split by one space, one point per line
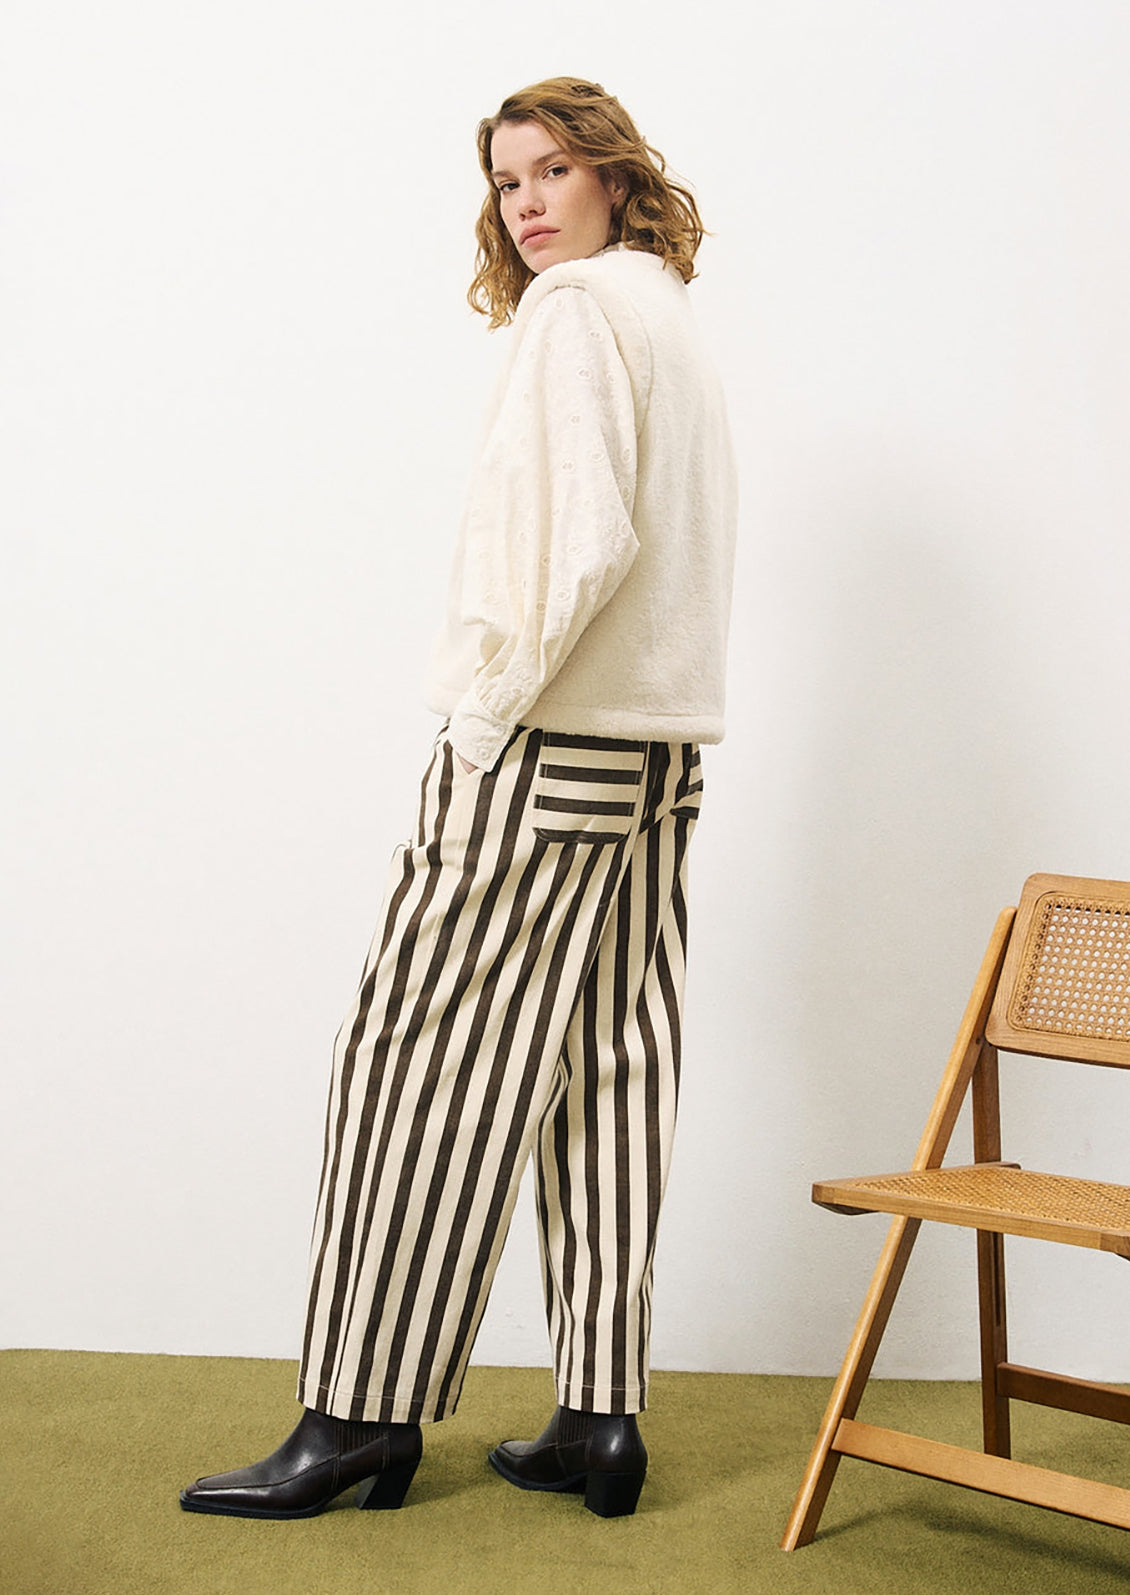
96 1447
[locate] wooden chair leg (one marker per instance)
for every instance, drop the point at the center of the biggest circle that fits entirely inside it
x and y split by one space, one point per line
992 1311
849 1386
967 1056
994 1343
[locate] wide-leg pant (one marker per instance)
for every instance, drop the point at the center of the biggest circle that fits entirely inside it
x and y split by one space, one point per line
522 996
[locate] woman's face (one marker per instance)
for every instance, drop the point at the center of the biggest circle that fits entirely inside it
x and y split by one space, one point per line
553 206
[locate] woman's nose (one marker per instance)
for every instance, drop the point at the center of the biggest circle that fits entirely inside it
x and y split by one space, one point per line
530 204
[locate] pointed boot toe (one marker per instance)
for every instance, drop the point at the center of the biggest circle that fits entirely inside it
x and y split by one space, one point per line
322 1457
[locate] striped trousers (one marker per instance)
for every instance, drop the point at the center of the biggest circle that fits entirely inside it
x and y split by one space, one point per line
522 996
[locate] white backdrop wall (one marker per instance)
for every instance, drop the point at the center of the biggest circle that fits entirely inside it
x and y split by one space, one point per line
240 401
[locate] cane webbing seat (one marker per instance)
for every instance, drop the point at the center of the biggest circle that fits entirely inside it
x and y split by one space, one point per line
1002 1198
1054 983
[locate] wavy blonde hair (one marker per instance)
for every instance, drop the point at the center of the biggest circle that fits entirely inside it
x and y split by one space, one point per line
655 213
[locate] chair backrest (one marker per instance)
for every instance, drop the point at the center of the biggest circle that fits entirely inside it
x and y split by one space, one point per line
1064 991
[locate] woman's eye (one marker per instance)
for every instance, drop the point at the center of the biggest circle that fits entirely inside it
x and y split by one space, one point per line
506 188
557 171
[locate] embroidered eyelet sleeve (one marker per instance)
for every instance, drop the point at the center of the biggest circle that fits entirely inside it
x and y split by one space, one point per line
548 533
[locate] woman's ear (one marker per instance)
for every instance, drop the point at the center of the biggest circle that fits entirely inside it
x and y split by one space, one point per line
616 189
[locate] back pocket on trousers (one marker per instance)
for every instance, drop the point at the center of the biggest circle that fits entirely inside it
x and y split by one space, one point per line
586 788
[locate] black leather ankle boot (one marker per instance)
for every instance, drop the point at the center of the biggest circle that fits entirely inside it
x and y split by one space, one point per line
321 1458
599 1453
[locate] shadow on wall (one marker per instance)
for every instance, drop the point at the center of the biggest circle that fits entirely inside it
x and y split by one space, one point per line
909 824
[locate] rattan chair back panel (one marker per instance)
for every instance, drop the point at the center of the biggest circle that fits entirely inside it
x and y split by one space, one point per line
1065 988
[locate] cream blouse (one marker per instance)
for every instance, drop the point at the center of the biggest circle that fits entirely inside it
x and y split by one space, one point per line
590 590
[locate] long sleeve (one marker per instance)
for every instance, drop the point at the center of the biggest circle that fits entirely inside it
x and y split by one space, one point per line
548 533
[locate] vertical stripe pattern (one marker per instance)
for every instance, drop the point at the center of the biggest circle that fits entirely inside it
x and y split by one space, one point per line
522 995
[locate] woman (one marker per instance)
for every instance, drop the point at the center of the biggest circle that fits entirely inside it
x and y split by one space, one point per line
522 995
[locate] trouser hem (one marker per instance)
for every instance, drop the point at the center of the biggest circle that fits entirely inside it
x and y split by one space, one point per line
613 1401
375 1408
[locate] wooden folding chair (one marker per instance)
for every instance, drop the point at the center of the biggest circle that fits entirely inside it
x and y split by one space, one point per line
1054 983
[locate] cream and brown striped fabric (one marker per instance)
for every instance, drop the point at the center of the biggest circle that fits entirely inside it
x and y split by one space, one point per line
522 996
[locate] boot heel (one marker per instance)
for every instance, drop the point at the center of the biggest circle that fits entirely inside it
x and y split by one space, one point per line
613 1494
387 1490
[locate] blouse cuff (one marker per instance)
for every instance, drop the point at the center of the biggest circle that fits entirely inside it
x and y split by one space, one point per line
478 736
